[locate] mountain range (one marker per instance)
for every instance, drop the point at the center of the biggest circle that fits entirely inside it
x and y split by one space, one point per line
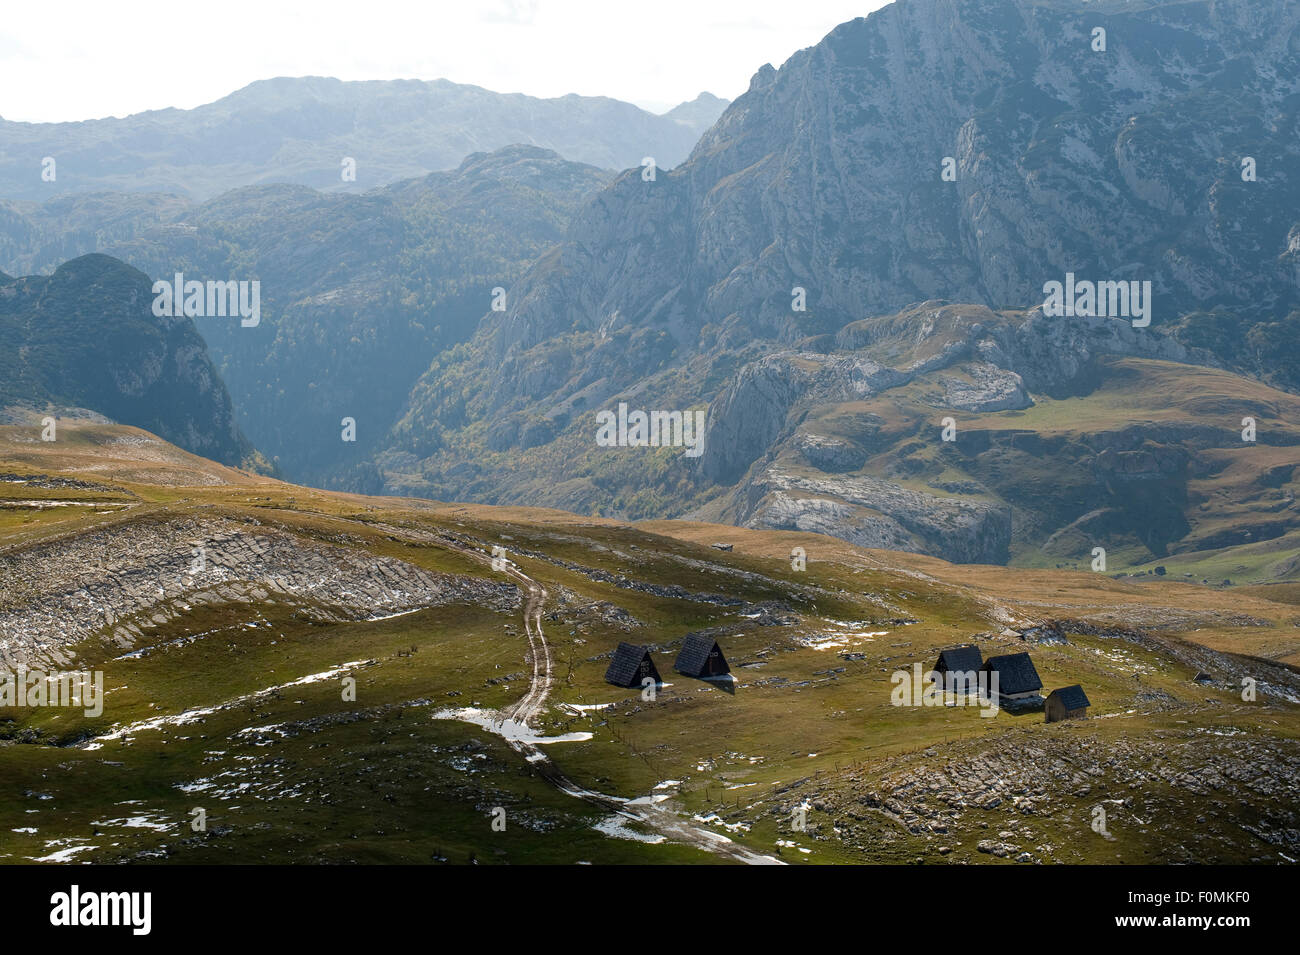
824 186
301 129
850 263
359 293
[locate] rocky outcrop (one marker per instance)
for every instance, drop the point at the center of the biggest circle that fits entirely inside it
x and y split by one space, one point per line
87 337
752 410
873 513
124 581
998 802
985 387
830 454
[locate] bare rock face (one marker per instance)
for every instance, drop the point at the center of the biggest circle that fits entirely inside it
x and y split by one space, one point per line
873 513
827 175
754 408
830 454
86 336
124 581
1051 353
824 186
986 387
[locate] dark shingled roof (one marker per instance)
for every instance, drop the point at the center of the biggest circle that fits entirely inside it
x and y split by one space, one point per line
624 669
693 660
963 659
1016 673
1072 696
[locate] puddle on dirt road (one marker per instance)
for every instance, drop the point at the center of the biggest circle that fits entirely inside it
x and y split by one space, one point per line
511 730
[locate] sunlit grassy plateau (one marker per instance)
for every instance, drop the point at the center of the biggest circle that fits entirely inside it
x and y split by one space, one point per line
1186 771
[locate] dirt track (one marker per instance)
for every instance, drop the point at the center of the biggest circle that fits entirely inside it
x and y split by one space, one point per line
669 824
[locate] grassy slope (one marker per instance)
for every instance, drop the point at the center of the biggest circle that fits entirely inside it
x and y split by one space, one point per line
1234 497
380 780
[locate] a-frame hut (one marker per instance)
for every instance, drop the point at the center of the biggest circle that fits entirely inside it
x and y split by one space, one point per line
701 656
630 666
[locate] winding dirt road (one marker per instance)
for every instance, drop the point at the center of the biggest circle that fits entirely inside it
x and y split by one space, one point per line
514 725
539 688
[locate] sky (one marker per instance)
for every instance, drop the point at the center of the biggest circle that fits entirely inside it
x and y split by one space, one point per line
79 59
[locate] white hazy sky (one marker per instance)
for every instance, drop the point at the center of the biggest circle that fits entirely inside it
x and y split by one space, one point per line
78 59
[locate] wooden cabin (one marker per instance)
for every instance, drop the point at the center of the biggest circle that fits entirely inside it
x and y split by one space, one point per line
958 668
1018 681
701 656
631 666
1067 703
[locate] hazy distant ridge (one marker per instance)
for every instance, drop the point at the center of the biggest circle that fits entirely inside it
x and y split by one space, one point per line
299 130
